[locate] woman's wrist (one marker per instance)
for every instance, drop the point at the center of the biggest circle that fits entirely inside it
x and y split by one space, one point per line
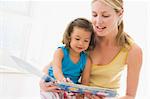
126 97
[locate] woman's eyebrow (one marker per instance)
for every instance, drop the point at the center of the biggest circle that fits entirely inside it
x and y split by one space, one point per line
103 12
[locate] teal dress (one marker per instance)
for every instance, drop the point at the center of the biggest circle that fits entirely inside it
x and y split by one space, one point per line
71 70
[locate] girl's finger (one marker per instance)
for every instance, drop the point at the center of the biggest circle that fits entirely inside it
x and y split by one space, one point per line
97 97
68 80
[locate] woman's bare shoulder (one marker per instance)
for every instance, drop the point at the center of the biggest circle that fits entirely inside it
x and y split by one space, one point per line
135 49
135 54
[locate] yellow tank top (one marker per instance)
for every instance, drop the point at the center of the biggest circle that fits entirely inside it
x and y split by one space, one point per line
108 76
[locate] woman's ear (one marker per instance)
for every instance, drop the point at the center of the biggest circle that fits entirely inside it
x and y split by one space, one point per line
120 16
120 13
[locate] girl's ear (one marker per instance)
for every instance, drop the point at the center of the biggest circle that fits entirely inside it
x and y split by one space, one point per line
69 39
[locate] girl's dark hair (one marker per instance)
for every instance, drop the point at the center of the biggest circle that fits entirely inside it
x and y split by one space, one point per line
81 23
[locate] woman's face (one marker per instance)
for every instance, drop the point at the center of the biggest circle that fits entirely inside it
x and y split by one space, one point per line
104 19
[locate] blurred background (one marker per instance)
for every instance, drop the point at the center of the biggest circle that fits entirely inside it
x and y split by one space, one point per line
33 29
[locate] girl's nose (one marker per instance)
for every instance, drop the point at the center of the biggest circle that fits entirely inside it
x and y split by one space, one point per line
81 43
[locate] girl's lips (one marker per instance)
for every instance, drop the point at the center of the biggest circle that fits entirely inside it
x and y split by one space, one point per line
79 48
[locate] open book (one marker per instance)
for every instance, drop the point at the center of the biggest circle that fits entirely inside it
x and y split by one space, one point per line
69 87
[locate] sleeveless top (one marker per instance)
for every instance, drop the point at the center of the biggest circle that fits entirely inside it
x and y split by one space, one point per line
69 68
109 75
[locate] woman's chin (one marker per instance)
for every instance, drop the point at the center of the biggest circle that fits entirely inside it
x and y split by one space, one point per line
100 34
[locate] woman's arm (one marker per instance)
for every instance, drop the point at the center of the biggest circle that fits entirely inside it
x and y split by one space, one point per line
134 62
86 72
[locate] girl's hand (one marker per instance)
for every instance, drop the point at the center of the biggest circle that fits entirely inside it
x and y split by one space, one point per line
67 80
88 95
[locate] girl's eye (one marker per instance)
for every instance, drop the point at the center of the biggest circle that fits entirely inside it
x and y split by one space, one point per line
86 40
77 39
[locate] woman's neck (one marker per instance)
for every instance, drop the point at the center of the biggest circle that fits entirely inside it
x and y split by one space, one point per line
106 41
109 39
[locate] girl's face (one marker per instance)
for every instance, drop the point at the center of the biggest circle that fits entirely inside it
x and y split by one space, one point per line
80 39
104 19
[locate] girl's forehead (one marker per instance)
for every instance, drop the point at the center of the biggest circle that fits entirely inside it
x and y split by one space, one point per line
80 32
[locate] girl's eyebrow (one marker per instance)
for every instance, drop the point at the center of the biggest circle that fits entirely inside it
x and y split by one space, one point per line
77 35
84 38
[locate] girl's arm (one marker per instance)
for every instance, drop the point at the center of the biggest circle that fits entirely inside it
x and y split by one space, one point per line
86 72
57 64
85 77
134 62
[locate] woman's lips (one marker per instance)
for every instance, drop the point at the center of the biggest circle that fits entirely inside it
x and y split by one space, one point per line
100 29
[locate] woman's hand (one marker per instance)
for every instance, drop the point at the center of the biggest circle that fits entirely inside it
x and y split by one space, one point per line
126 97
48 86
79 96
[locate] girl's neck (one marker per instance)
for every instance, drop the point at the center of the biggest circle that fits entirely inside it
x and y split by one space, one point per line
73 53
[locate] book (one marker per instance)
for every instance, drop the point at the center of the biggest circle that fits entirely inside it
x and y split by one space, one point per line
79 88
66 86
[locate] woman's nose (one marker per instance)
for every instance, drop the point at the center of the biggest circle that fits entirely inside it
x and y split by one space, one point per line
99 21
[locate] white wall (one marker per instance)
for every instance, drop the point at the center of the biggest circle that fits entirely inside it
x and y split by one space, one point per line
33 30
49 22
136 24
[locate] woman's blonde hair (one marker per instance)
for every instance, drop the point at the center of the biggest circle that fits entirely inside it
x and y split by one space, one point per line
122 38
81 23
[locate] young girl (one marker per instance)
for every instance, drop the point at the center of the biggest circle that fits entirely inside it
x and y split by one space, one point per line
71 61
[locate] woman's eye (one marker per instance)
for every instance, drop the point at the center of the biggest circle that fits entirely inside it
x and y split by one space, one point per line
94 15
106 16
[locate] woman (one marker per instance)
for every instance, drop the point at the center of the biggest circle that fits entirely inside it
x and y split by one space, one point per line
114 50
